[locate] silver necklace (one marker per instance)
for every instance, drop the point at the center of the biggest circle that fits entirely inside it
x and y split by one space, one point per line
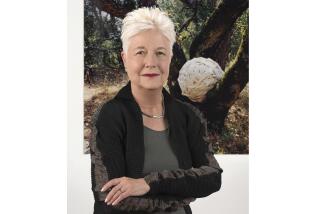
156 116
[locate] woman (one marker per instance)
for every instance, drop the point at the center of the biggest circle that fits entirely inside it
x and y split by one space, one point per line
149 154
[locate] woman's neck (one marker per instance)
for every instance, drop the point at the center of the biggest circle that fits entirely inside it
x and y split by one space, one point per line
148 99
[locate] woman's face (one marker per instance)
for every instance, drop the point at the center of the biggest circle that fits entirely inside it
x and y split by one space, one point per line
147 60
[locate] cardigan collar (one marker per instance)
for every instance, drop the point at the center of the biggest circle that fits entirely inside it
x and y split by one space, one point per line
125 94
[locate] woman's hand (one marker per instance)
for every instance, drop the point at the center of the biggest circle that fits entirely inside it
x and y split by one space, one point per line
124 187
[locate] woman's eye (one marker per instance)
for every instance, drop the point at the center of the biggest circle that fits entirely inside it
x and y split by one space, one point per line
160 53
139 52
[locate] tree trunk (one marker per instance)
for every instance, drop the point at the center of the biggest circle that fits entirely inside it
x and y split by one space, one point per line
236 77
219 52
177 62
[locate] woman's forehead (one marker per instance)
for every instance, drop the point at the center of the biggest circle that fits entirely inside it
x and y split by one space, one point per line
151 39
147 45
145 48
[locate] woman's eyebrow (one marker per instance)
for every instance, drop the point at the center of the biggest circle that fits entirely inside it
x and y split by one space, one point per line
161 48
140 47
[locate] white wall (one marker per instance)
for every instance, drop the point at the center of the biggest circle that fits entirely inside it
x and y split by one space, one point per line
234 194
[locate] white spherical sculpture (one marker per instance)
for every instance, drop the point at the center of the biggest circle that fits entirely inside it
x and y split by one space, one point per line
197 76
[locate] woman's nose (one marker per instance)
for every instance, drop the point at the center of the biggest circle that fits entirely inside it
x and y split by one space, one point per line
150 61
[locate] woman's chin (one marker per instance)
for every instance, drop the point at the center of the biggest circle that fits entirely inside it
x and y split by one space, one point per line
151 85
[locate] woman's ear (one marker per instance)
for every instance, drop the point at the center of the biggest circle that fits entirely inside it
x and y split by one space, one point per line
124 60
123 56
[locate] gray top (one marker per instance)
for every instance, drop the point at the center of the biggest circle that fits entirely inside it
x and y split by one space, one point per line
159 155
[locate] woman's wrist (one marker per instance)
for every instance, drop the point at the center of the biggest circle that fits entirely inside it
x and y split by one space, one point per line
146 185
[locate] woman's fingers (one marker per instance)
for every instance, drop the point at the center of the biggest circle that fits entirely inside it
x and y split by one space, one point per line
114 197
112 192
120 198
124 187
110 183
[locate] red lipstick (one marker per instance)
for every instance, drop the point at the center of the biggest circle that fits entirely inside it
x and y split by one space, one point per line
150 75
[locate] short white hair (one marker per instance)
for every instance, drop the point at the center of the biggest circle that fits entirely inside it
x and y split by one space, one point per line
143 19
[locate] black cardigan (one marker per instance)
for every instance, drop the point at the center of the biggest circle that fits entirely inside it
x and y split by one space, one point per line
119 151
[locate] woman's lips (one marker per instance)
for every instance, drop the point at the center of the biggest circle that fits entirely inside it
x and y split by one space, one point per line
150 75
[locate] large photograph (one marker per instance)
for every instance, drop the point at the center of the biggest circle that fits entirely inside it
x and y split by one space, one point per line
208 71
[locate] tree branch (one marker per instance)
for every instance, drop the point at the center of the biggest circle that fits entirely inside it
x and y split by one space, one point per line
114 8
217 25
186 23
121 8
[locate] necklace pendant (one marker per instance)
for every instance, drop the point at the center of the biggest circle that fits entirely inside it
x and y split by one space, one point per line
156 116
153 116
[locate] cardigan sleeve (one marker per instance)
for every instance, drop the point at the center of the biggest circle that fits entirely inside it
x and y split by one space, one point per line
203 179
108 162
